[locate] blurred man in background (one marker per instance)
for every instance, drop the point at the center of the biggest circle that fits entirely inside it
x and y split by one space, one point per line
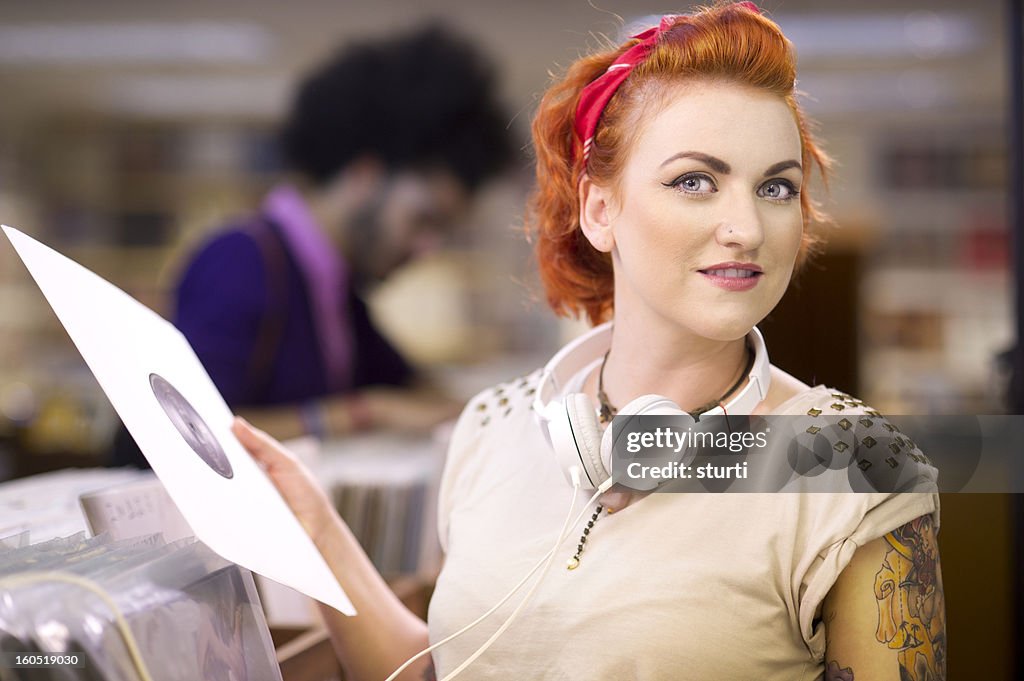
386 145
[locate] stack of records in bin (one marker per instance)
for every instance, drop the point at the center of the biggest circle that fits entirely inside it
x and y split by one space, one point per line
385 487
130 610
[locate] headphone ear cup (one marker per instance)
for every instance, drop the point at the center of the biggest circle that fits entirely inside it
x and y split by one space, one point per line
588 437
645 405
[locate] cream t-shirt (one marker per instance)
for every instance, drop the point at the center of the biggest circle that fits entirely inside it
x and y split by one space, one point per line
674 586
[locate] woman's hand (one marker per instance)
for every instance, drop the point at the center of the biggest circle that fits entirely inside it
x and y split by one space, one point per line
385 633
292 479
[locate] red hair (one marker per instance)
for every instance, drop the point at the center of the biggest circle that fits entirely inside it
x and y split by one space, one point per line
724 42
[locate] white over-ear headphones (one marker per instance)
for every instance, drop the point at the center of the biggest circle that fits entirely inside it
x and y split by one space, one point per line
570 421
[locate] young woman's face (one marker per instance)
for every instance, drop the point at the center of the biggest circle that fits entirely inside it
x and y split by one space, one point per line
706 223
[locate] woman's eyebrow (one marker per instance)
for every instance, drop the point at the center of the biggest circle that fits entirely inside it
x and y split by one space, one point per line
716 164
720 166
783 165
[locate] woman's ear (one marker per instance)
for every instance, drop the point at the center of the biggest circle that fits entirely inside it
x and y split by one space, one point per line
595 214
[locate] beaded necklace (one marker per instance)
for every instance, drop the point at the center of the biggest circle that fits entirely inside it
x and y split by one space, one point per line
608 412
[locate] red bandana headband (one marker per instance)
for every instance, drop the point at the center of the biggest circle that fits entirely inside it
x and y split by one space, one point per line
598 93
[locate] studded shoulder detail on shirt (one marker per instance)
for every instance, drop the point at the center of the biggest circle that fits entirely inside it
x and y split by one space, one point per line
876 441
502 400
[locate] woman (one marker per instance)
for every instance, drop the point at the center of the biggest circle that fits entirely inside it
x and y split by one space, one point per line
670 193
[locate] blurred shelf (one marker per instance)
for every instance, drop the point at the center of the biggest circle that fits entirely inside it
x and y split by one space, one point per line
944 290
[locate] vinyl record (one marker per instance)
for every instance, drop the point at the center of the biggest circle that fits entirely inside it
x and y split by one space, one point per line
191 425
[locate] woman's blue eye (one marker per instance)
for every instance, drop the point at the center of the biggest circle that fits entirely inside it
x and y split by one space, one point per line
778 190
694 183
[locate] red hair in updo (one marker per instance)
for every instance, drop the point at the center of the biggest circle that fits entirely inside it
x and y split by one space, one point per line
725 42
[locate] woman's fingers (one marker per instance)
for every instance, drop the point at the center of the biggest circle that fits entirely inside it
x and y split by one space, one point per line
297 487
260 446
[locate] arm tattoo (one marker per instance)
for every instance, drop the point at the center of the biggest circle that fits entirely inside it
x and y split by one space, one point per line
429 674
911 603
834 673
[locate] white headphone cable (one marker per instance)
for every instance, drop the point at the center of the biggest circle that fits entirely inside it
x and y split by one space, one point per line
20 579
549 557
575 473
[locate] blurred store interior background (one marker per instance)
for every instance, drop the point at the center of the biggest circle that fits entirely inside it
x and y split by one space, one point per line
128 130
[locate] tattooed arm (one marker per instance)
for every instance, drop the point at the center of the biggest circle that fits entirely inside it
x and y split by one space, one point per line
885 617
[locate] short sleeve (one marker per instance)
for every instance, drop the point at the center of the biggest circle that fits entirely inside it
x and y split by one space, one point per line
884 514
833 526
220 302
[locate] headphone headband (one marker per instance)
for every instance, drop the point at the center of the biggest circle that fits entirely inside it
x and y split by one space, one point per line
590 346
569 421
759 380
569 361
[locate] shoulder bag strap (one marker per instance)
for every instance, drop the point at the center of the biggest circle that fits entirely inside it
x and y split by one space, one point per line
271 329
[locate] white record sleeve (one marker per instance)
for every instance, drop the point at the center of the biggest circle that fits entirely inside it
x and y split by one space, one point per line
181 423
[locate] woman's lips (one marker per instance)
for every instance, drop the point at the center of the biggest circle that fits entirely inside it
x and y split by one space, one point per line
732 278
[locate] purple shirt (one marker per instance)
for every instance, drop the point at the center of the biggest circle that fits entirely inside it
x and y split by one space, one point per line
327 344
